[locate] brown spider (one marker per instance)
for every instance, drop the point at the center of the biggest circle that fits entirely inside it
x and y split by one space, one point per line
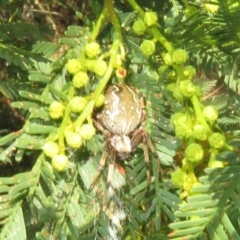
122 120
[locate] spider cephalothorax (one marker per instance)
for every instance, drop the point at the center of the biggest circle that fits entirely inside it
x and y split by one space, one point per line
122 120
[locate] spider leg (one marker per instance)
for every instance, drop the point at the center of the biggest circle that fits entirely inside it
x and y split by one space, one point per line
109 180
100 167
138 136
147 162
142 135
102 161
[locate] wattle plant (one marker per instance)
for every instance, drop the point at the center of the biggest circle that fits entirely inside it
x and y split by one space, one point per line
188 188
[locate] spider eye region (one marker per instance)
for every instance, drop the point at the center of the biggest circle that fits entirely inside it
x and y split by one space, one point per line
122 144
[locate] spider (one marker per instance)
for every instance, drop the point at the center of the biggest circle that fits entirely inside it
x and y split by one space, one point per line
122 120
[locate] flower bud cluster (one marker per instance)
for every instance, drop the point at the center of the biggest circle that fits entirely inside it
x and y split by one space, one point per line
199 137
74 138
59 161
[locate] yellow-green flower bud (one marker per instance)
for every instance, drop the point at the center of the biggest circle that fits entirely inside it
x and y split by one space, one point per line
177 94
183 125
60 162
89 64
87 131
80 79
167 58
210 113
180 56
182 130
100 101
73 139
147 47
189 72
50 149
179 177
217 140
56 110
187 88
100 67
77 104
200 132
150 18
139 27
181 117
194 153
92 49
69 128
73 66
117 62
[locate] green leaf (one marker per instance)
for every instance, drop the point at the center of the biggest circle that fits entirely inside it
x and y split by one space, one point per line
10 137
32 96
58 93
25 105
38 77
28 142
35 128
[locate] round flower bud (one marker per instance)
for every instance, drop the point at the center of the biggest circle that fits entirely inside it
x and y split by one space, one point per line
180 56
182 130
69 128
87 131
117 63
100 101
178 117
210 113
73 66
73 139
199 132
167 58
50 149
60 162
56 110
147 47
121 73
217 140
189 72
182 118
92 49
179 177
80 79
187 88
177 94
77 104
150 18
89 64
139 27
100 67
194 153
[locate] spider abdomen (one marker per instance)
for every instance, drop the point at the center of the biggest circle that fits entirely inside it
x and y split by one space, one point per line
123 109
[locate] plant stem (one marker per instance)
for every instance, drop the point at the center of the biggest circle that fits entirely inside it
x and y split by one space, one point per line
155 32
65 122
199 114
114 19
107 10
97 27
